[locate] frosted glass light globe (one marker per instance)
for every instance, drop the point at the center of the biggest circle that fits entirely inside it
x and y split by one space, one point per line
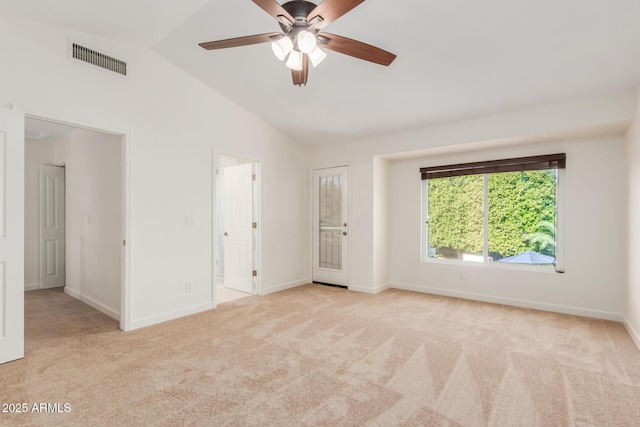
316 56
306 42
295 60
282 47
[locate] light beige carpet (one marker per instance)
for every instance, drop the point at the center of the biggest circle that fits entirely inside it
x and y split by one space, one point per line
321 356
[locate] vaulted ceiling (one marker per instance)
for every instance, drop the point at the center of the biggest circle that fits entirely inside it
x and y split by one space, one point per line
456 59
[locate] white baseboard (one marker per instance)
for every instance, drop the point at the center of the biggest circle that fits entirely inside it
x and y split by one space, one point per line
368 290
635 336
556 308
32 287
93 303
170 315
285 286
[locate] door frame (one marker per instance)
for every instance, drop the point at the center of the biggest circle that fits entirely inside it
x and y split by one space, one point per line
257 213
349 219
126 138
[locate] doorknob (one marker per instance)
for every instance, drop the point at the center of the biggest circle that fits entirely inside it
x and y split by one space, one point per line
344 225
226 234
344 233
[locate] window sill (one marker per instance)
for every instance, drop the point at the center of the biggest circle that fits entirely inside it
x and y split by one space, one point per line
492 265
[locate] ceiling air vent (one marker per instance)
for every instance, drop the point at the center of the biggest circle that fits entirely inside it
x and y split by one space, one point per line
99 59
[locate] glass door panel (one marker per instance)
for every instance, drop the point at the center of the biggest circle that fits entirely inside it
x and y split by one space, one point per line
330 226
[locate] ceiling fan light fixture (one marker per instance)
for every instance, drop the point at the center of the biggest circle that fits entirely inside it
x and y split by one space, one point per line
282 47
299 42
306 42
316 56
295 60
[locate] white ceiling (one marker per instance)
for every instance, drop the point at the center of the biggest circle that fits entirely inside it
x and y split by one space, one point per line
42 130
456 59
141 22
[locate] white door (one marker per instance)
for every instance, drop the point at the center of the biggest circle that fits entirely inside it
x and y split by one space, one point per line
330 225
11 235
52 231
238 233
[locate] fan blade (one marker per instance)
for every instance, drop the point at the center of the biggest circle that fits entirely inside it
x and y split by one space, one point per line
300 76
239 41
274 9
355 48
330 10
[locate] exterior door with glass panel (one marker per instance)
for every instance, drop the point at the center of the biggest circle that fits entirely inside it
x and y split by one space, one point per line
331 225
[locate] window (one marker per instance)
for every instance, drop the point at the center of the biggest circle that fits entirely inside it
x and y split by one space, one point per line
496 211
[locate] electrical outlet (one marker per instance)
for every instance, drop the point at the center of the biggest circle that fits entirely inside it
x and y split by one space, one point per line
187 287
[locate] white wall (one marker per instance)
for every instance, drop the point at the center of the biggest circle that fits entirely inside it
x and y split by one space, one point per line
632 307
36 153
382 208
594 229
570 119
174 126
94 225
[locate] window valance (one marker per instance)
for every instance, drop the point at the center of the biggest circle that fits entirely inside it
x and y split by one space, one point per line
549 161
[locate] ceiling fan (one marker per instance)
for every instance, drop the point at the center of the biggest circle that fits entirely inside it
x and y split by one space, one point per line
301 37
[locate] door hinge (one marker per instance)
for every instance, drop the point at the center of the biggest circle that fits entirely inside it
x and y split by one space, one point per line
253 177
124 243
255 225
255 273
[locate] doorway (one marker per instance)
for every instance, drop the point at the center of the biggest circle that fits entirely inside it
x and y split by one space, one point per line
331 225
83 253
236 236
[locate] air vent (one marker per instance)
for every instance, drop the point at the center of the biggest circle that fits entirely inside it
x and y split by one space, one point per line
99 59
